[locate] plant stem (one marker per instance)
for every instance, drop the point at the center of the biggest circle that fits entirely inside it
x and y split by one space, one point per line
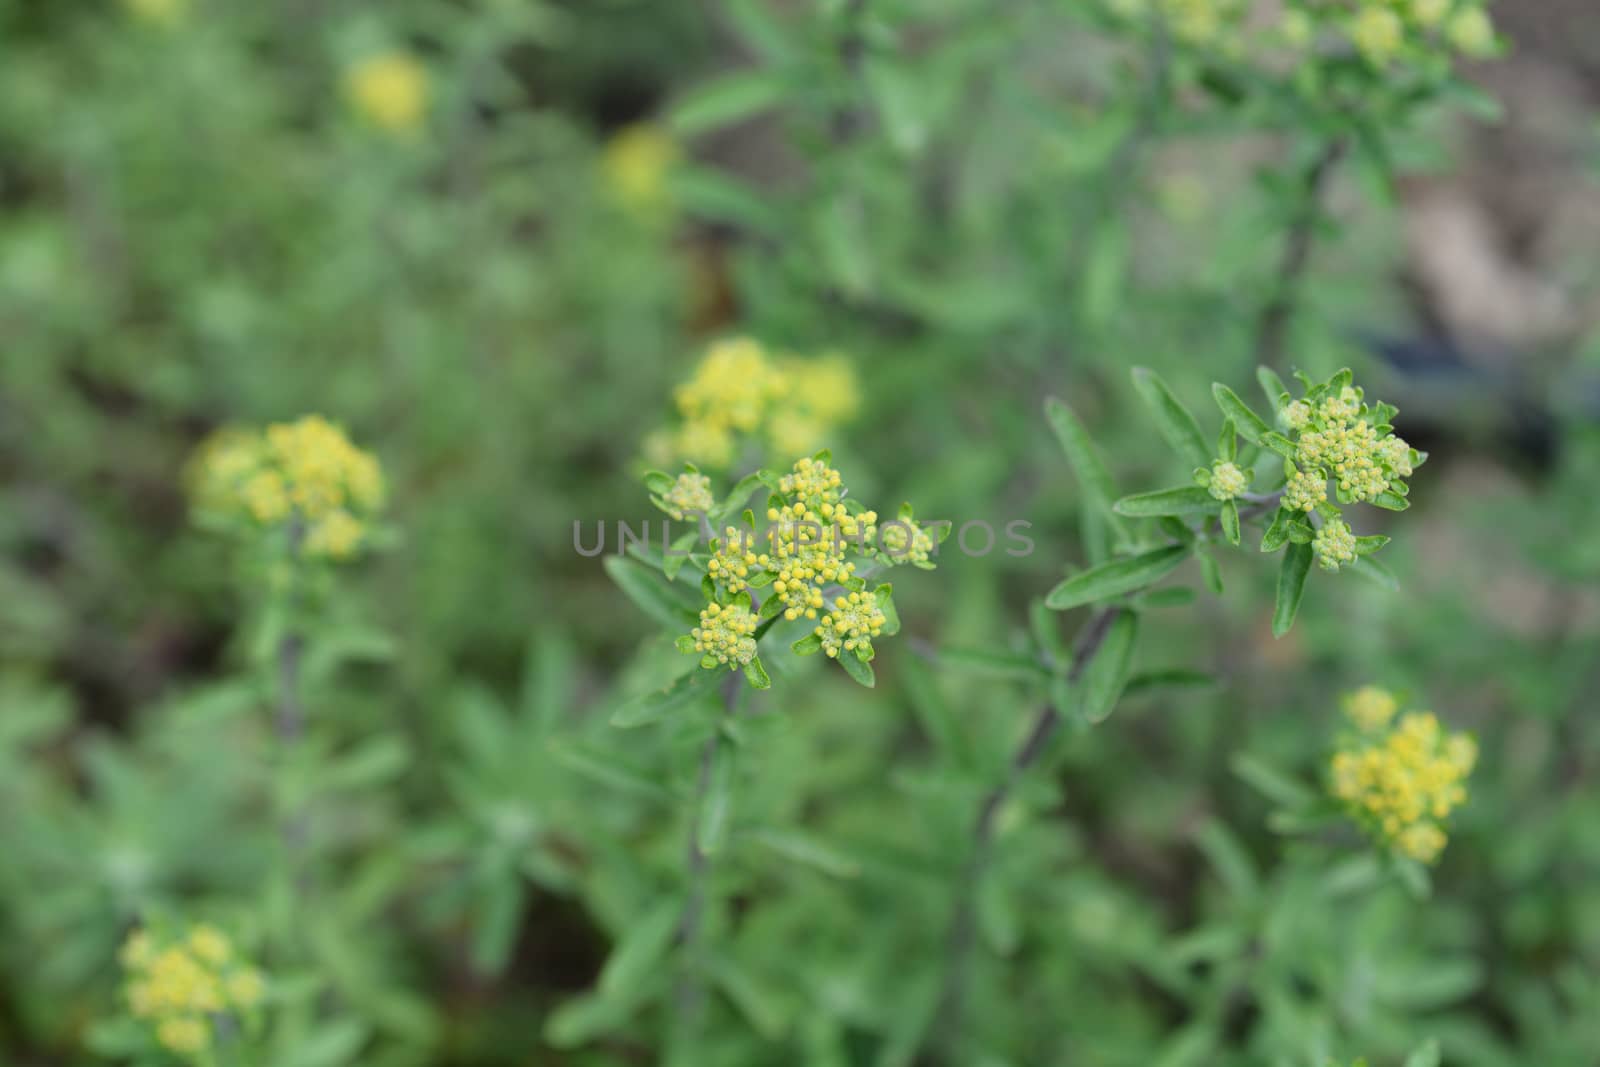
690 991
1273 326
963 924
294 825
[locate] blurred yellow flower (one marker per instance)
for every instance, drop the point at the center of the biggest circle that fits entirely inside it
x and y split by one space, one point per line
163 12
389 90
1378 34
636 162
1403 780
740 390
305 471
179 983
1472 32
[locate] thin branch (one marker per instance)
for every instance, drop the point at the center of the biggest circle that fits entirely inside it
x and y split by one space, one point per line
1273 326
963 924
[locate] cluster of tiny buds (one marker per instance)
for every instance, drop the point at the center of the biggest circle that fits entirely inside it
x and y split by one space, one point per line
726 634
1334 544
1226 480
852 624
690 493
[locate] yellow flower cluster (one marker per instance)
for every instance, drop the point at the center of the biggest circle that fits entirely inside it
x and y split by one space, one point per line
389 90
1382 31
800 565
740 391
1340 443
852 624
636 162
304 472
1225 480
690 493
1194 21
181 984
726 634
162 12
1401 779
905 541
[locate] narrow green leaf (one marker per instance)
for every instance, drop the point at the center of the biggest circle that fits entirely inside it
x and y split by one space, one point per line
808 645
1272 387
1082 457
1228 441
1211 573
891 617
497 917
1391 502
756 674
1291 585
1186 500
1251 426
1175 421
1278 443
1273 783
641 951
856 668
1116 578
663 601
991 662
725 100
1171 678
1426 1056
651 706
1230 521
1107 673
1278 533
672 562
1376 573
716 804
803 848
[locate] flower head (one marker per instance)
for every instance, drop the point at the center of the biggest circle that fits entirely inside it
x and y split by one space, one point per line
1378 34
389 90
1401 779
725 634
1305 490
852 624
636 162
1472 32
306 472
1225 480
690 493
1334 544
178 982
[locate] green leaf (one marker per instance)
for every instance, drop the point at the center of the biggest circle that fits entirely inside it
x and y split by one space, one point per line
650 707
1186 500
857 668
1391 501
1228 441
498 917
1278 443
1175 421
1426 1056
330 1045
1211 573
1376 573
1366 546
724 101
991 663
808 645
659 481
1251 426
1278 533
756 674
1272 387
672 562
663 601
1230 521
1273 783
1116 578
1107 672
711 827
891 617
1171 678
802 848
1291 585
642 951
1082 457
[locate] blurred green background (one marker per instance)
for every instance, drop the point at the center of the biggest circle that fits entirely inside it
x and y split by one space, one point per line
495 274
